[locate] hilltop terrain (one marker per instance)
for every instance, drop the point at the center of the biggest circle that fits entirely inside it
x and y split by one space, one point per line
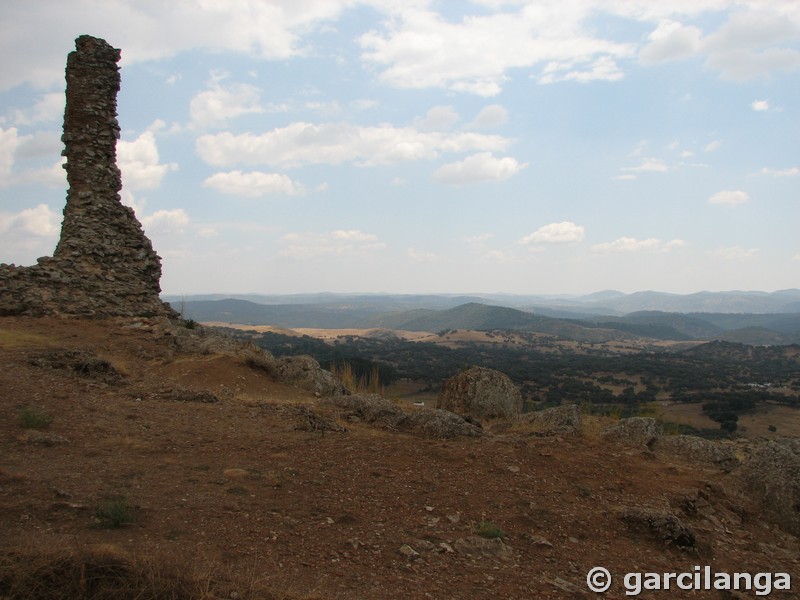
130 453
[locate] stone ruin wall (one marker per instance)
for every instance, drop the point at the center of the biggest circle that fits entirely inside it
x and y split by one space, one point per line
104 265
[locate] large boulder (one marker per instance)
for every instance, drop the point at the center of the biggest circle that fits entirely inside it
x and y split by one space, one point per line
481 393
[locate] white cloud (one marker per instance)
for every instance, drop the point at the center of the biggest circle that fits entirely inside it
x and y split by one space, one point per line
748 44
139 162
39 221
732 197
603 68
670 41
166 221
479 240
629 244
53 176
9 142
483 166
336 243
788 172
217 106
253 184
364 104
490 116
336 143
713 146
420 255
760 105
438 118
500 256
735 253
420 49
50 107
152 31
649 165
556 233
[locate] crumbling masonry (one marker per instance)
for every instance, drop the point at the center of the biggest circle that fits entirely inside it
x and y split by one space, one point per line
104 265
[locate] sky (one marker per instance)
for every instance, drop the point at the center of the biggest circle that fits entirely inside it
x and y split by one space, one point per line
416 146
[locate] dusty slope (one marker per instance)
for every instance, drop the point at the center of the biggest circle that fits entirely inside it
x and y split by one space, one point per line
282 512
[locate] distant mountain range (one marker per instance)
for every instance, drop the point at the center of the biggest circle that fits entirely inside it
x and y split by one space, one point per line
607 302
746 317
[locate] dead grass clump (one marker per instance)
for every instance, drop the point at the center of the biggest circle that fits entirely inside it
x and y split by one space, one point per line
97 573
368 383
592 426
10 339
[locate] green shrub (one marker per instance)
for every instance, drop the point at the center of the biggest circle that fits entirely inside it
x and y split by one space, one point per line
487 529
33 419
115 512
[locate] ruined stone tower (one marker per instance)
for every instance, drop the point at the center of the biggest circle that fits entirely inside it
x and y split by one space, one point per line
104 265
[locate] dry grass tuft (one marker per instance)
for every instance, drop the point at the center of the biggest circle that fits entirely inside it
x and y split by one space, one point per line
101 572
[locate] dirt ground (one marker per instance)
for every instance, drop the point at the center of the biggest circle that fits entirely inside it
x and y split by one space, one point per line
237 489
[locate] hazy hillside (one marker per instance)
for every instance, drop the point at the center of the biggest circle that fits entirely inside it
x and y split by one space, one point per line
435 313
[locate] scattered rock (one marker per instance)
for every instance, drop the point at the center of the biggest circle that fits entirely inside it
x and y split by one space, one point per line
486 548
235 473
570 588
481 393
305 372
180 394
559 420
635 431
771 477
538 540
660 525
409 552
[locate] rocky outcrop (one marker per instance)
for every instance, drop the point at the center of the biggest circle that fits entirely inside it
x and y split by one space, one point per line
771 477
697 450
663 527
376 410
641 432
104 265
481 393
